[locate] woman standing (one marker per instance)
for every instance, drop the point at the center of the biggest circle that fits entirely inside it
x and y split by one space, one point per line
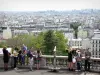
15 52
6 56
70 63
38 58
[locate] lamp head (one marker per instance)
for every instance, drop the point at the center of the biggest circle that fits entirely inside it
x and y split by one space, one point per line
54 49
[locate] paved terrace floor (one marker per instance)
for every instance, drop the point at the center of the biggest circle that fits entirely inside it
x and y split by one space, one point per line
43 72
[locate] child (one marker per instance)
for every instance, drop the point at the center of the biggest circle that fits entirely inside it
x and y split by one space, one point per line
31 62
38 59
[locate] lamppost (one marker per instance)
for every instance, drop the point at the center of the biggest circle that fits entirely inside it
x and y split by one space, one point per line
54 68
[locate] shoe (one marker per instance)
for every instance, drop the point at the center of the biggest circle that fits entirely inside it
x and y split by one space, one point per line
15 68
69 69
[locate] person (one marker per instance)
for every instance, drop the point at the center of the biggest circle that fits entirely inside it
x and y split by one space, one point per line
78 60
20 57
87 60
15 52
70 64
38 59
23 58
24 52
31 62
74 59
6 56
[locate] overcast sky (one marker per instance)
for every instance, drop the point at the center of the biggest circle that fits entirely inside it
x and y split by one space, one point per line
38 5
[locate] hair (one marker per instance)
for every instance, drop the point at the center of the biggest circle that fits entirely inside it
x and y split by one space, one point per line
16 48
38 51
20 52
4 47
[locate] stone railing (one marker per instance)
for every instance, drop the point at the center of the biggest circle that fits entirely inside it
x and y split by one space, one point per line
61 62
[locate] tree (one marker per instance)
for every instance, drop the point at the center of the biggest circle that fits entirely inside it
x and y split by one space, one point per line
61 43
14 42
2 44
17 41
75 26
38 41
49 42
52 39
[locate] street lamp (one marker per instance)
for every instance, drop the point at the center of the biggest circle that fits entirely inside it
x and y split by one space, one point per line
54 68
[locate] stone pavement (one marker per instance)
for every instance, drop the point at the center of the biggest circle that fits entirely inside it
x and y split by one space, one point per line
42 72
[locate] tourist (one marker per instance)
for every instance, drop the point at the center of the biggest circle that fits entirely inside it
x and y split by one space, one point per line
74 59
24 52
78 60
15 52
38 59
87 60
70 63
31 62
20 57
6 56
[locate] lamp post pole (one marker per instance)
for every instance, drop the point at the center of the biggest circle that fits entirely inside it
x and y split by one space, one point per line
54 57
54 68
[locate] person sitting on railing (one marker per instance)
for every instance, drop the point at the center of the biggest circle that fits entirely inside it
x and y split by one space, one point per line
78 60
87 60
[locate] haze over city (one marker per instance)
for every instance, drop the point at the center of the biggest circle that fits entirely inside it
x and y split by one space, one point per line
42 5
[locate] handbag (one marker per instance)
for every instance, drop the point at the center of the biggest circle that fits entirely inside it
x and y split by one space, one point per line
74 60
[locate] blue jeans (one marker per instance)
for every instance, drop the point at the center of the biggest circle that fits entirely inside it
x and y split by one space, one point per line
23 60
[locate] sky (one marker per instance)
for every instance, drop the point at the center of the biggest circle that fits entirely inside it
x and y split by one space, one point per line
42 5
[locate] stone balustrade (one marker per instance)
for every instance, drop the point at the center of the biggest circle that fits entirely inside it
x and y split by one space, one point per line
61 61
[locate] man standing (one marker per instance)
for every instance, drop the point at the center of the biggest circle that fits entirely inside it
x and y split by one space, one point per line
24 51
87 60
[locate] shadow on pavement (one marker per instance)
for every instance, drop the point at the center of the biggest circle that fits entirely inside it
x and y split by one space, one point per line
63 72
2 70
23 70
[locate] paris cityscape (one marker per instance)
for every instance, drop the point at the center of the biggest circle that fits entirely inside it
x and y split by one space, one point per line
67 39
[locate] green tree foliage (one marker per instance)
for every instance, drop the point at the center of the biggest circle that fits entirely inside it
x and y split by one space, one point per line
55 38
61 43
49 42
2 44
19 40
45 41
38 41
75 26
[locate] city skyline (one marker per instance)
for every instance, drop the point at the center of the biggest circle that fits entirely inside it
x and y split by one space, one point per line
43 5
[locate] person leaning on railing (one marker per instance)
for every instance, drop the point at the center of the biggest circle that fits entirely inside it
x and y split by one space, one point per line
6 56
